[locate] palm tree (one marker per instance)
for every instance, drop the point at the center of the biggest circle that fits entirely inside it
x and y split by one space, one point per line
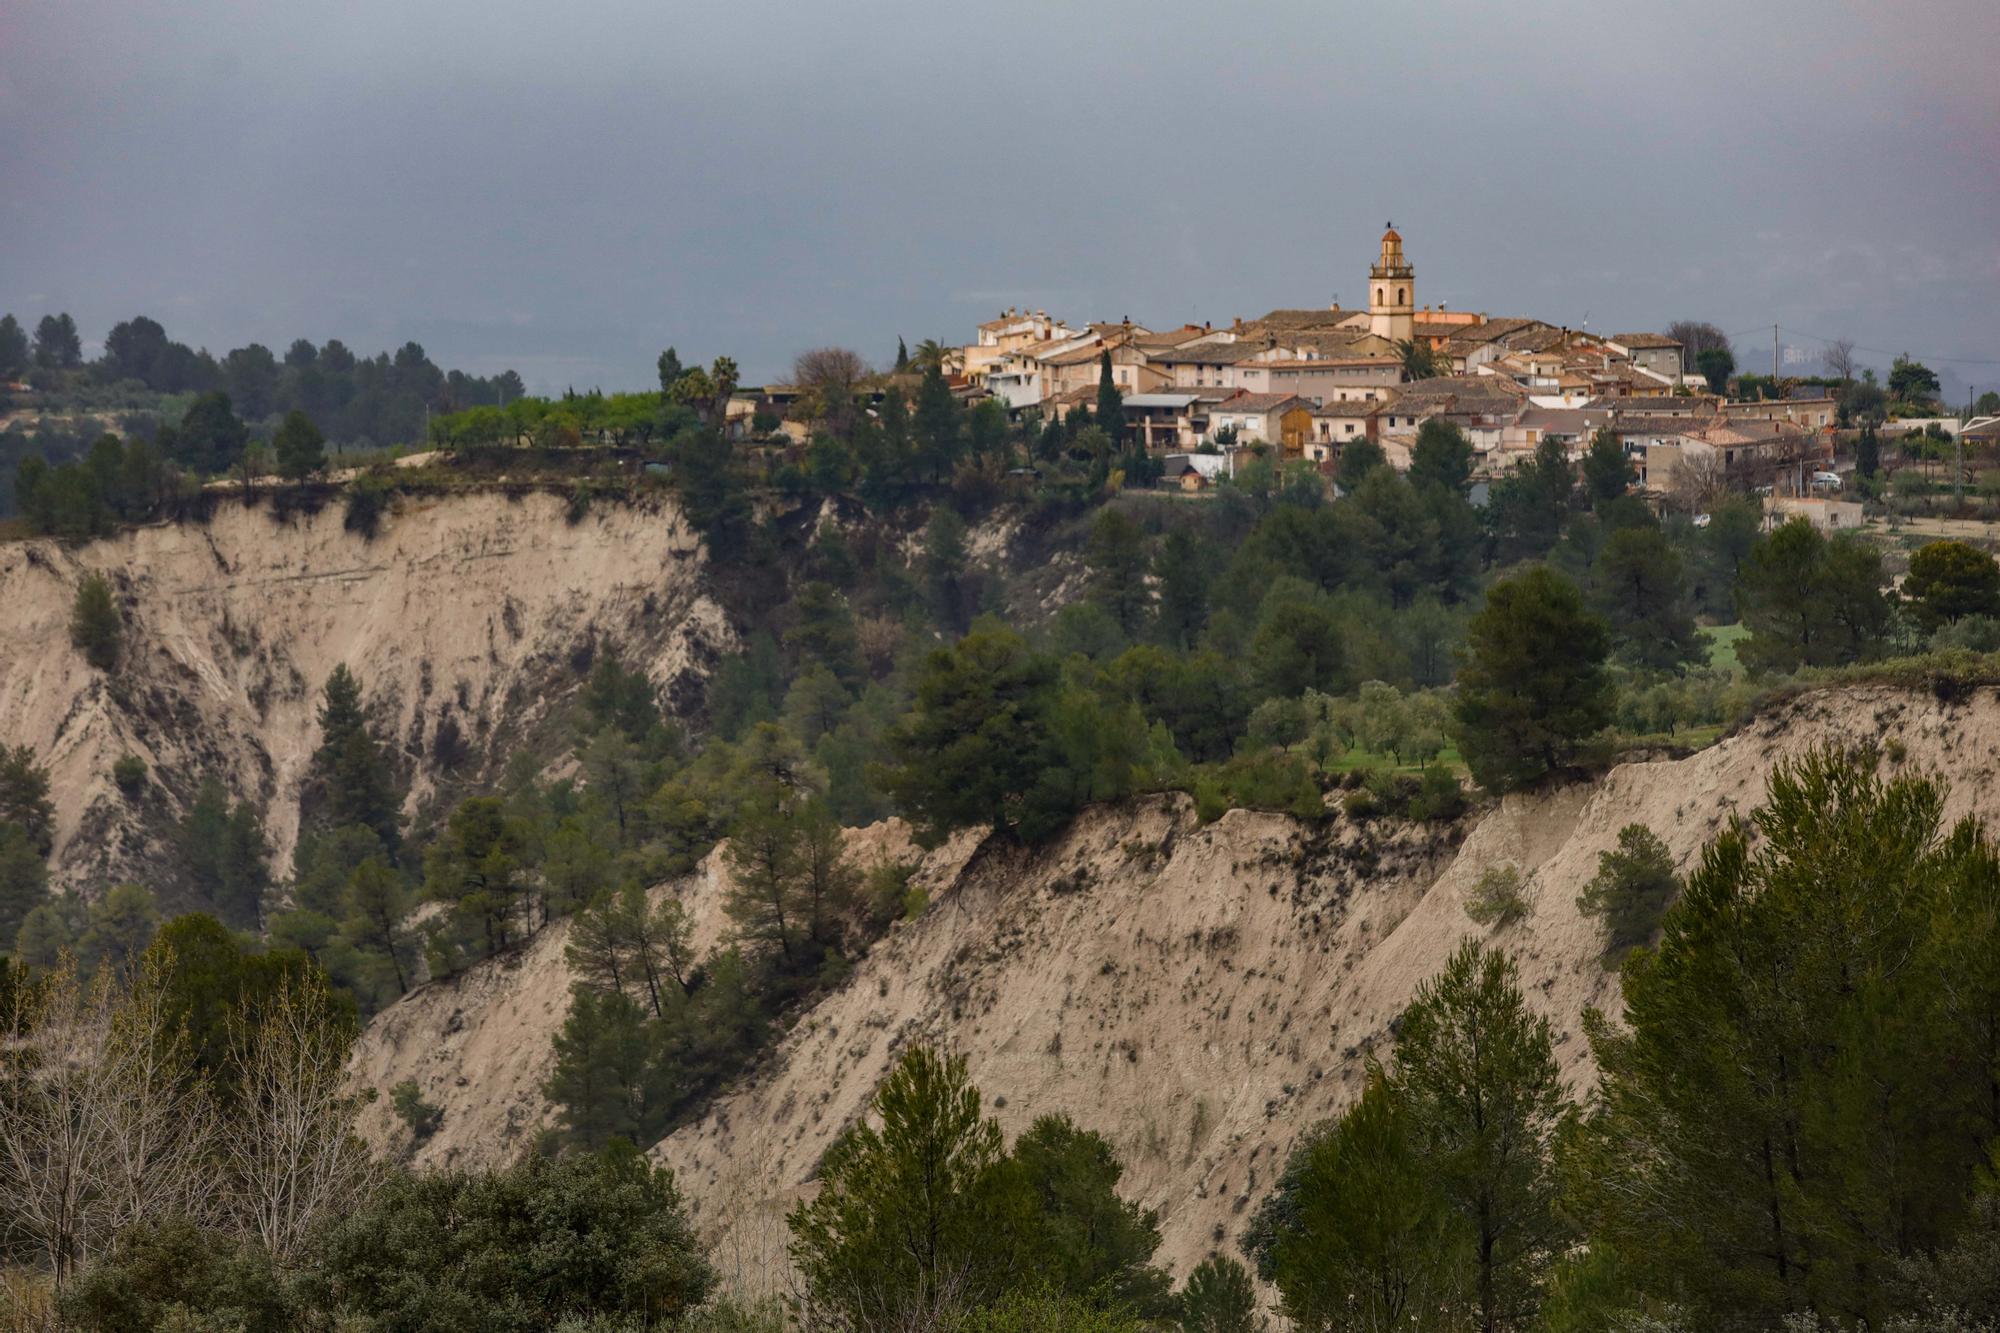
930 352
1420 360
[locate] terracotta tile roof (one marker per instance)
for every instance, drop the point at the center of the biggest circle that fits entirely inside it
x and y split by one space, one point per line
1352 407
1665 404
1257 402
1635 341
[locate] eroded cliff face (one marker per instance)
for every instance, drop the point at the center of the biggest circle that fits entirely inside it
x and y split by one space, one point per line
468 620
1202 995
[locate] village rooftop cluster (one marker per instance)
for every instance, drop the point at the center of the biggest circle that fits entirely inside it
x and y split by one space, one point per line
1307 382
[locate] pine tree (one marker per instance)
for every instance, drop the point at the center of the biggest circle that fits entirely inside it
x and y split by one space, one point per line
1486 1100
1802 1091
95 626
360 788
939 430
299 446
603 1083
1532 687
906 1214
24 880
1361 1232
1119 566
376 903
1185 576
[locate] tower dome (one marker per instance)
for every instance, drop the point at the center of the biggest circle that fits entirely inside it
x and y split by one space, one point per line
1392 291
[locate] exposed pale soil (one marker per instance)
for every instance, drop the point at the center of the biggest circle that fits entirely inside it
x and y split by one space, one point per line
1200 995
468 616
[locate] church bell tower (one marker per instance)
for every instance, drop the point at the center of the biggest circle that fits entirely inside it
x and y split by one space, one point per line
1392 292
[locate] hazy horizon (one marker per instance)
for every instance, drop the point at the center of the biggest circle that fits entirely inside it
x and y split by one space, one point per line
566 198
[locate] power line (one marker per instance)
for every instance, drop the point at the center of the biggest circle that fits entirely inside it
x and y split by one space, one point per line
1883 351
1879 351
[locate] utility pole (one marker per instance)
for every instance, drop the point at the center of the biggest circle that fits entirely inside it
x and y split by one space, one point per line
1774 360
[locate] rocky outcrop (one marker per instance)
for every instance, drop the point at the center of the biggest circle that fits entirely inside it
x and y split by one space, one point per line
468 618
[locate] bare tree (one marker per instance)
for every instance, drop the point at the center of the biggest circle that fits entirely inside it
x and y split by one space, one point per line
289 1142
829 378
157 1117
1839 359
104 1123
1696 480
1697 336
51 1129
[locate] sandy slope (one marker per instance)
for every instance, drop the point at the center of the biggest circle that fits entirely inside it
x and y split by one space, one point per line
1201 995
460 614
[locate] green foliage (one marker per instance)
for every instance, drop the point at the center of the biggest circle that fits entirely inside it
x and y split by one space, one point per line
912 1213
1912 382
1441 456
24 795
117 928
216 984
1498 897
1028 1309
224 852
978 738
177 1275
1358 458
584 1236
1487 1101
128 772
299 446
1949 580
96 628
1110 402
1362 1233
1717 365
422 1118
1810 601
1219 1298
1639 587
1533 686
928 1212
1090 1241
1119 569
1607 472
605 1081
1527 508
24 880
352 765
1797 1102
1633 887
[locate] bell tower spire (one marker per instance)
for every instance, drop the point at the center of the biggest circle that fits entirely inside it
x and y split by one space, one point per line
1392 292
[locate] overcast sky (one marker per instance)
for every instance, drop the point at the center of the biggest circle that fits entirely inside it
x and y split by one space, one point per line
566 189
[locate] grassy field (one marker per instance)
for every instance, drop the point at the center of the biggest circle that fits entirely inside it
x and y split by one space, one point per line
1722 641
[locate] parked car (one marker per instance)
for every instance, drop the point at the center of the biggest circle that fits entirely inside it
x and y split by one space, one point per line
1826 481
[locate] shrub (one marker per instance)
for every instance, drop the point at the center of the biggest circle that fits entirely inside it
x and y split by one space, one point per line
94 625
171 1276
1499 897
129 772
1439 796
422 1118
1219 1298
889 892
1632 888
367 497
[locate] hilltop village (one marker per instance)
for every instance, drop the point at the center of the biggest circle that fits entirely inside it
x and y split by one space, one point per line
1308 383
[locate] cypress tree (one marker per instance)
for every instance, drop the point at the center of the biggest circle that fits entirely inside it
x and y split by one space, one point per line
1110 402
